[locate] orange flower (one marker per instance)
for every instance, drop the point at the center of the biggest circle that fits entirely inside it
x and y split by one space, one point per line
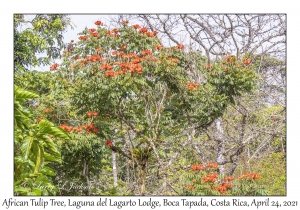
247 62
83 37
249 176
195 167
39 119
175 60
98 23
228 178
146 52
92 30
106 67
208 66
221 189
136 26
143 30
210 178
124 22
159 47
54 67
109 143
109 74
254 176
212 165
191 187
180 47
95 35
192 86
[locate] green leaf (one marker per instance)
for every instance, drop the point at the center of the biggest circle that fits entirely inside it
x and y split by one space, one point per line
26 146
21 190
47 171
57 132
24 94
55 157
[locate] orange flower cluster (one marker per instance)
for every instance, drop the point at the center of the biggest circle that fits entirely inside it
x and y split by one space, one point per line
191 187
99 23
109 143
228 178
146 52
90 128
106 67
212 165
151 34
83 37
159 47
109 74
148 33
125 22
247 62
136 26
93 58
192 86
93 32
175 60
90 114
113 32
123 55
196 167
249 176
71 128
208 66
210 178
39 119
223 187
137 60
95 35
143 30
126 66
54 67
226 184
180 47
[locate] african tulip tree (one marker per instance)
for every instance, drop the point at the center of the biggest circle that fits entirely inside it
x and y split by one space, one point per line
143 93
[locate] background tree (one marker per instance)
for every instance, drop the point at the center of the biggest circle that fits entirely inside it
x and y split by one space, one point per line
259 38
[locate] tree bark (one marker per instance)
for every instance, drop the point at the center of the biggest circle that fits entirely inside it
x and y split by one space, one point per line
219 137
142 181
114 166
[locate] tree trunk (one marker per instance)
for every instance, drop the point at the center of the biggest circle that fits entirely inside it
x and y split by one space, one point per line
114 166
164 187
219 136
142 179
